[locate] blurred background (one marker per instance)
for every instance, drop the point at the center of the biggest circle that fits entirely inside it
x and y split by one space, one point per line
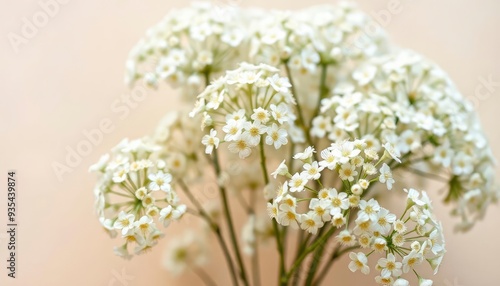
61 82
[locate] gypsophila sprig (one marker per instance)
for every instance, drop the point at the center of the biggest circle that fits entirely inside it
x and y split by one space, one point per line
402 242
188 43
407 106
333 123
134 194
246 106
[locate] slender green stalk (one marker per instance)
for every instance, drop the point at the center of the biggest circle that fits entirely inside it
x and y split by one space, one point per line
204 277
255 266
336 254
318 242
229 220
322 89
215 228
279 243
302 120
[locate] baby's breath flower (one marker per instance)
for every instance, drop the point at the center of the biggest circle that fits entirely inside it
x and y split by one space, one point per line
130 204
252 102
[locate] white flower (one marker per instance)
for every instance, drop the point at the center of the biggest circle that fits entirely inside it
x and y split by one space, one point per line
310 222
386 176
462 164
320 208
339 200
233 129
276 136
390 267
261 115
409 141
424 282
273 35
272 210
306 155
160 181
359 261
125 222
411 260
168 214
233 37
364 75
345 151
280 84
401 282
297 182
346 238
312 171
443 155
282 192
241 146
384 221
321 125
287 215
121 175
370 208
253 131
210 141
141 193
280 113
393 152
282 170
329 160
347 172
144 224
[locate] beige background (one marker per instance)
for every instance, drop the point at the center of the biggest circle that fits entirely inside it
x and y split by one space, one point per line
65 78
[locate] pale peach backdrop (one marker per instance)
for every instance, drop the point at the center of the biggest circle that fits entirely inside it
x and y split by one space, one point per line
64 79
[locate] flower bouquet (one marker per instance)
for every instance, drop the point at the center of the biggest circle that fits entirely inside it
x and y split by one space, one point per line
306 131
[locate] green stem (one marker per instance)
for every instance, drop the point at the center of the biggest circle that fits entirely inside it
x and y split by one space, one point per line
302 121
336 254
320 241
204 277
279 243
322 89
229 220
215 228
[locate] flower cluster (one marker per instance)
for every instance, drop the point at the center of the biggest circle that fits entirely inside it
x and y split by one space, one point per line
358 168
408 102
187 44
134 193
249 105
180 138
353 164
272 83
403 242
310 41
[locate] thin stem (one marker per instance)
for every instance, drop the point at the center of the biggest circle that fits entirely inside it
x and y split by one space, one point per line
336 254
322 89
320 241
302 121
255 266
204 277
214 227
279 243
229 220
